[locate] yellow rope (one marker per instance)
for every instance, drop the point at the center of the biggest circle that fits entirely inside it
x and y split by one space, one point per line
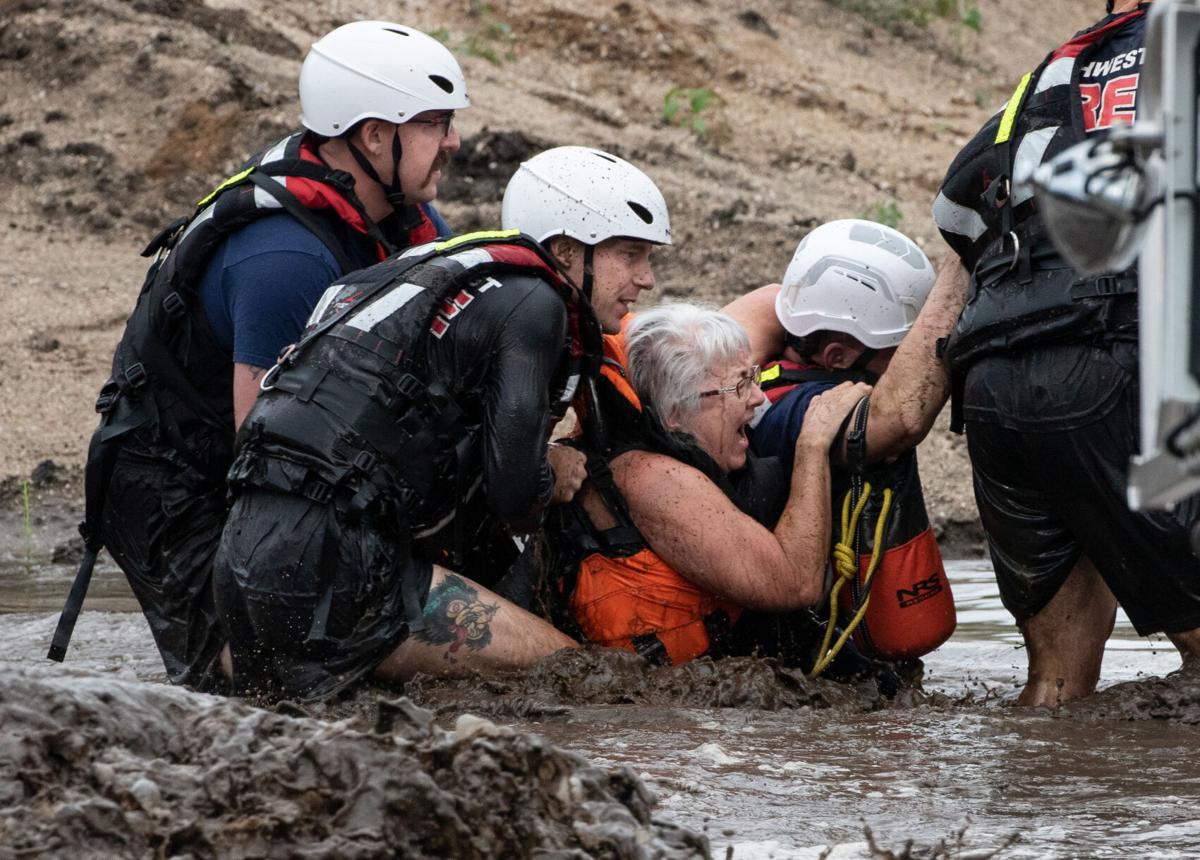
845 561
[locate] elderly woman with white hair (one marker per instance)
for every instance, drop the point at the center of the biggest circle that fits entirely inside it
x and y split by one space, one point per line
685 531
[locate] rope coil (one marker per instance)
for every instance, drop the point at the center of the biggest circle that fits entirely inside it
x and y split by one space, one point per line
846 565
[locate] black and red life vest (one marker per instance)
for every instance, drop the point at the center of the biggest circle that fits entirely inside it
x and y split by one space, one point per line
911 610
1023 292
351 414
171 381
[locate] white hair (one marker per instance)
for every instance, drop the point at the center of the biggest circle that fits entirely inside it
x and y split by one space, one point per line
672 349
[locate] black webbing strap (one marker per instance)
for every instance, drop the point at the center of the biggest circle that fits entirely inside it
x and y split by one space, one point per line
856 441
70 612
293 352
156 355
793 376
624 535
339 180
856 460
292 205
102 455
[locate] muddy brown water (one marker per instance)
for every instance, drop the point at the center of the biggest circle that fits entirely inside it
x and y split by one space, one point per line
959 771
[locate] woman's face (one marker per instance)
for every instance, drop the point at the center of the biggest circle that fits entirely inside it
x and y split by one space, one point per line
719 424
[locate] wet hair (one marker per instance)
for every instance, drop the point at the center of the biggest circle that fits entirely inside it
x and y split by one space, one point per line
672 349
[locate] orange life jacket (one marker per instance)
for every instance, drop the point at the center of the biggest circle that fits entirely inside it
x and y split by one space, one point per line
623 595
911 609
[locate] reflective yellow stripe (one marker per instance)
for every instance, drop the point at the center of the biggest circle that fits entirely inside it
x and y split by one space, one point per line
233 180
1010 113
449 244
768 374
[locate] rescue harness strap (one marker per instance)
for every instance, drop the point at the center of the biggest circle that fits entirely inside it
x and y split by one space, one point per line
846 551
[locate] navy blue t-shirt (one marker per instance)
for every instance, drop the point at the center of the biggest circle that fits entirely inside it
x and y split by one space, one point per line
263 282
776 432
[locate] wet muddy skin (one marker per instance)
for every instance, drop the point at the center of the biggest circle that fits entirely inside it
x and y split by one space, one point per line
749 755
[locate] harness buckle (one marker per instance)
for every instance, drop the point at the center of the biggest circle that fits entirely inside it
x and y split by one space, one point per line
1109 285
410 386
107 397
166 237
136 376
174 305
365 462
317 490
341 180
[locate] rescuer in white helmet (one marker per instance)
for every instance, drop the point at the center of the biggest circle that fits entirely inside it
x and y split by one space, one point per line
231 286
851 294
599 215
859 303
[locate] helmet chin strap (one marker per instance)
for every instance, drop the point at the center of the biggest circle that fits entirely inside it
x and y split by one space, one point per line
860 363
1110 5
391 190
589 253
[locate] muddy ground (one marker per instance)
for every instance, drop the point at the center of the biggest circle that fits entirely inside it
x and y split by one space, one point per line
744 752
130 769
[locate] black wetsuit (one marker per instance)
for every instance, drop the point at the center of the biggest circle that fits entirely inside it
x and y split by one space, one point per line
317 588
1047 361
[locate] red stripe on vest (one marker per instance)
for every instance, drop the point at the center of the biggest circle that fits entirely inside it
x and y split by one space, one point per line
1077 45
318 195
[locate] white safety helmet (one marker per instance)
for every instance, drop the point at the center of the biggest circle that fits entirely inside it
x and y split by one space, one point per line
377 70
586 194
857 277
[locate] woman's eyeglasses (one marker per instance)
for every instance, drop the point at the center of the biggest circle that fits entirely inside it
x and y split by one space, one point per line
742 387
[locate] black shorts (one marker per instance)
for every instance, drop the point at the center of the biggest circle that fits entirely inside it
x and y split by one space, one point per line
1046 498
313 603
161 522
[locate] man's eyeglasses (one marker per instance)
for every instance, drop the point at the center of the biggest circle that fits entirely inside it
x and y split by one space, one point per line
445 120
742 387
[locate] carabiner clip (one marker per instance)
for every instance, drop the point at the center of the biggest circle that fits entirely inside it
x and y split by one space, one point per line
268 380
1016 251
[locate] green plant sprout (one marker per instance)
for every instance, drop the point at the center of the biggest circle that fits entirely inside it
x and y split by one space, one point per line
492 40
887 214
26 509
685 107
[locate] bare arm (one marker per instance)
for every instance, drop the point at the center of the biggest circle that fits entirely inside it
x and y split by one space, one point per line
912 391
700 533
755 312
245 390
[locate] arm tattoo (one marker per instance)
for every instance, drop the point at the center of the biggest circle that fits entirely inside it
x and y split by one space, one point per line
455 615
